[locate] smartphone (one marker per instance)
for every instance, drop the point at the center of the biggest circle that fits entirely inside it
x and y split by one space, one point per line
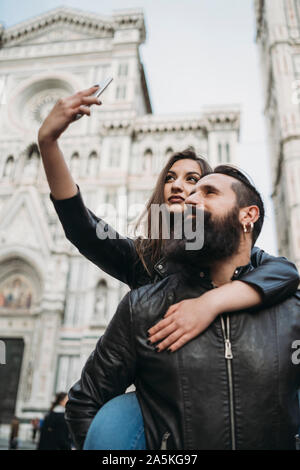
102 86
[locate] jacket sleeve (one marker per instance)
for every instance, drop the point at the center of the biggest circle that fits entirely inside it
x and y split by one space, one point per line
275 277
108 372
96 240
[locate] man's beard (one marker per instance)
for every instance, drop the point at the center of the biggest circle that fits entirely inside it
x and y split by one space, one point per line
221 240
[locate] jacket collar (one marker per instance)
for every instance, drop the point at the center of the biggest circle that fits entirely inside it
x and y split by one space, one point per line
165 267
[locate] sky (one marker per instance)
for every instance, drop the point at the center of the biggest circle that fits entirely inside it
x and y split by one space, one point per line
197 53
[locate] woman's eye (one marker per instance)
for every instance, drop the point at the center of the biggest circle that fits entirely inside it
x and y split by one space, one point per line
194 179
169 177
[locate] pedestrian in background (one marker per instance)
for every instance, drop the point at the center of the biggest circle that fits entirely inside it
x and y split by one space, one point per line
14 433
35 427
54 434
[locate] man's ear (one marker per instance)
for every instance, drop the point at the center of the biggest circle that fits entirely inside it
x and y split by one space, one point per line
249 214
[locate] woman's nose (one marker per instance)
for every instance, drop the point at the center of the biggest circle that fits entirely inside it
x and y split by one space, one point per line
177 185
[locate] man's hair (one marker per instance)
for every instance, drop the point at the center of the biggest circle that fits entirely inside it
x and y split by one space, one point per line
246 194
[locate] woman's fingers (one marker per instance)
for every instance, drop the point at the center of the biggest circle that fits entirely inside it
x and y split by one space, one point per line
162 333
182 340
171 310
84 101
159 326
90 90
169 341
83 97
81 110
84 108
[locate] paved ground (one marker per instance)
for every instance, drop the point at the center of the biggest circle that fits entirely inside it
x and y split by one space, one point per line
24 445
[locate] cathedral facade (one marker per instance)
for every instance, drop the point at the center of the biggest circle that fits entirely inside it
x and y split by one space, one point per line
278 38
54 304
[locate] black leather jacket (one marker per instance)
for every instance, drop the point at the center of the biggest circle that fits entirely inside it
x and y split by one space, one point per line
198 397
276 278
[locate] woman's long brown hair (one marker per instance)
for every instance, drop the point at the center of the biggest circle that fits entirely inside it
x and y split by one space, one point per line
150 250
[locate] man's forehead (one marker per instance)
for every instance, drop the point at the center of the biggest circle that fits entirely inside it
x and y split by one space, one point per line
220 181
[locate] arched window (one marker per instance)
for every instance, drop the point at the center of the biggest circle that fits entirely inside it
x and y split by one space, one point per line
32 162
92 165
169 152
147 160
219 153
123 69
227 151
100 316
9 168
121 92
74 165
115 156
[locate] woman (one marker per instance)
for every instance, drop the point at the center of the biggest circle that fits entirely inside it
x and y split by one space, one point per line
139 262
54 431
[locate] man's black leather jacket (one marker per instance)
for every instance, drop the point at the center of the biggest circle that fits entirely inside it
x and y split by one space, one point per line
275 278
201 396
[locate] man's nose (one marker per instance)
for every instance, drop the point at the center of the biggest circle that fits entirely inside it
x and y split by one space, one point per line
191 199
195 199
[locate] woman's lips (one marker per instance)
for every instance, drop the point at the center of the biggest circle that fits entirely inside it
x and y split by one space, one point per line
175 199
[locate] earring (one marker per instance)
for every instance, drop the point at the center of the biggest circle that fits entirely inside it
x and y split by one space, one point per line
245 227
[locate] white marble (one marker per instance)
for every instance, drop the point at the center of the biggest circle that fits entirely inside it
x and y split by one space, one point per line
278 39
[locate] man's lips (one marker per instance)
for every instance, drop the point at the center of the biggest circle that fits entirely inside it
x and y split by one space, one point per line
175 199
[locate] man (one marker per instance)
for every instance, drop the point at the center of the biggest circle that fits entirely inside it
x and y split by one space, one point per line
234 386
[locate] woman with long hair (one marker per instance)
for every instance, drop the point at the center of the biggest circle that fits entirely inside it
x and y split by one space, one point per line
54 434
140 261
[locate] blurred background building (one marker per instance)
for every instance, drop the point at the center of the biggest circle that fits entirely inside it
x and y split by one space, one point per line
278 38
54 304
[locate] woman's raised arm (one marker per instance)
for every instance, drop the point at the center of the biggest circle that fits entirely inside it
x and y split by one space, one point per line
116 256
62 114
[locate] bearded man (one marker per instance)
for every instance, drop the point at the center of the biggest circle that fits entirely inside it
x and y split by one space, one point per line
232 387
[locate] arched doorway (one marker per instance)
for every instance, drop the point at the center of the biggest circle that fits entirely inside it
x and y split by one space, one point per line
10 377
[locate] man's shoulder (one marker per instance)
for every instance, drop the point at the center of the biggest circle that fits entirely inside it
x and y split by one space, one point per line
294 298
155 290
291 303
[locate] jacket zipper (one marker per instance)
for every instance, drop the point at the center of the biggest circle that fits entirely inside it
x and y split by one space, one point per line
164 441
229 357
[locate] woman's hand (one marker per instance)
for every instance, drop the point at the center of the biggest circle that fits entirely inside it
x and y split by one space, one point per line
64 112
183 322
188 318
